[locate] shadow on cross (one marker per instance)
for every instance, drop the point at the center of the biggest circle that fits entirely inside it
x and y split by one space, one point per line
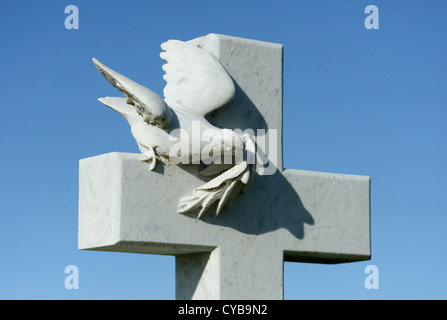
270 202
241 113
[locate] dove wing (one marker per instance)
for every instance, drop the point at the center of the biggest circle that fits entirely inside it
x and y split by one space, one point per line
195 78
149 105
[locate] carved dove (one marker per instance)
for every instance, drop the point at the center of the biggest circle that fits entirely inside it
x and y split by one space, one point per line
196 84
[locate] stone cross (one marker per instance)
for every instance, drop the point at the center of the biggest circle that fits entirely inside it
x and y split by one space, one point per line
290 215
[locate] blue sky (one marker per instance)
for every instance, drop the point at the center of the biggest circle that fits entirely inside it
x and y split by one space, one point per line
356 101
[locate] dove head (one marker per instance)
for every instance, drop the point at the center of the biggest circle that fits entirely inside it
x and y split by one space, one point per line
232 143
224 142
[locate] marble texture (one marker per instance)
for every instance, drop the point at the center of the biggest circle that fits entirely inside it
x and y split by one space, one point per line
290 215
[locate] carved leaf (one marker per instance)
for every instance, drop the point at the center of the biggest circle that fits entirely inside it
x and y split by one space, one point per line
225 187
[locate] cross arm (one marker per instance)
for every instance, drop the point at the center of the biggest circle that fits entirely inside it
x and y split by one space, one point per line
339 206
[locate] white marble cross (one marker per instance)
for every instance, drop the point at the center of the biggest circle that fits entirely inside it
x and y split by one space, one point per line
291 215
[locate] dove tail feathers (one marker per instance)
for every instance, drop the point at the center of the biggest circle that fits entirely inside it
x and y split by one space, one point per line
149 105
120 105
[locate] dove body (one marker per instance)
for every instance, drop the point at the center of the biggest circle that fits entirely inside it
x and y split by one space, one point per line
175 128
